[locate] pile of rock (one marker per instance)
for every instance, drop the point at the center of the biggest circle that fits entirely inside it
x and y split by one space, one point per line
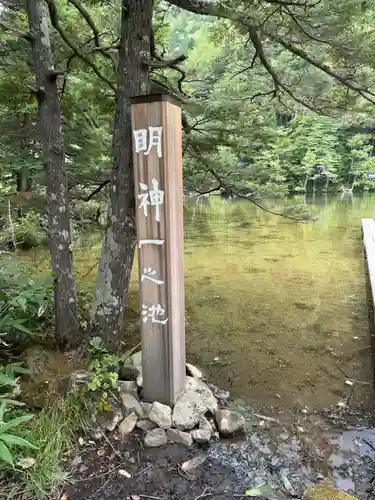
197 417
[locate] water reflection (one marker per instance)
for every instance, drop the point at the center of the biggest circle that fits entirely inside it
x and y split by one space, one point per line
285 305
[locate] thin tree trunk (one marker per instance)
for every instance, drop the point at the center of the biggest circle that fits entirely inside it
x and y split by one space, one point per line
54 160
119 243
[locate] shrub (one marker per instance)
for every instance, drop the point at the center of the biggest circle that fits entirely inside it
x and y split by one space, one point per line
28 231
24 302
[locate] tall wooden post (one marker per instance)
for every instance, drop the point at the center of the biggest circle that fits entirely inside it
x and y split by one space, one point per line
157 157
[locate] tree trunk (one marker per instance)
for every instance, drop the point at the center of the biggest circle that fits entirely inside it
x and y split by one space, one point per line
54 160
22 177
118 247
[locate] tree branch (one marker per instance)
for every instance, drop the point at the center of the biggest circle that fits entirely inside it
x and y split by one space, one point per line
267 65
302 29
56 24
365 93
89 20
204 7
97 190
231 190
164 63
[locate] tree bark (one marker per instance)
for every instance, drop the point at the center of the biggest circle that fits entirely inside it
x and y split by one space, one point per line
119 243
54 160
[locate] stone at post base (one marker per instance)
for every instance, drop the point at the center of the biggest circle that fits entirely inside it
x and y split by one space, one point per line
195 400
127 425
145 424
128 387
131 405
155 438
161 415
201 436
229 422
179 437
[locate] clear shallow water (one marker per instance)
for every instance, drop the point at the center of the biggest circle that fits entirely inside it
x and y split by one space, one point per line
277 311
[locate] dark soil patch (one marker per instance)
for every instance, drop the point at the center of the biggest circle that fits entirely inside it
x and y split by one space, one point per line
155 472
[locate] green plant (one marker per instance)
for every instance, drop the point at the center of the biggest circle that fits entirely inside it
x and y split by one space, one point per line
28 231
23 301
7 440
103 365
9 388
53 433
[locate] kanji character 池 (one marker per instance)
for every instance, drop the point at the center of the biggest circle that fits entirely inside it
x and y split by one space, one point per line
153 312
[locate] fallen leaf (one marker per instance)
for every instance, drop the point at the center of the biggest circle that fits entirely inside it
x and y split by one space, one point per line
26 463
262 490
193 463
135 497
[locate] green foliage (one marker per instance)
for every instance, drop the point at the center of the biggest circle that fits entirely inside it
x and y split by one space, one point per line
24 302
53 433
103 366
9 389
27 231
10 440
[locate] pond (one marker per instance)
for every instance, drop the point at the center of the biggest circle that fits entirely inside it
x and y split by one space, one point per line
277 311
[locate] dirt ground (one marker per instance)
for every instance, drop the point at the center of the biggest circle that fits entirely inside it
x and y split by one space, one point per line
287 458
156 474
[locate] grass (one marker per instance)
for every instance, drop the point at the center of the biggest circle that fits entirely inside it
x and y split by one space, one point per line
52 431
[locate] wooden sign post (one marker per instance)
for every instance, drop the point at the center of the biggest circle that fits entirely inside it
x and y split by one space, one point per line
157 158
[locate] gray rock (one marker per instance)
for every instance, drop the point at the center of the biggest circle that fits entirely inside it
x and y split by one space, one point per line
109 419
193 463
205 424
229 422
145 424
155 437
161 415
180 437
128 372
193 371
137 358
74 383
222 395
146 407
96 433
201 435
131 405
128 387
128 424
195 400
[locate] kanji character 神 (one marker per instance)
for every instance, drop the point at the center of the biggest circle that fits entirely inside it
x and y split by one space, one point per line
156 198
